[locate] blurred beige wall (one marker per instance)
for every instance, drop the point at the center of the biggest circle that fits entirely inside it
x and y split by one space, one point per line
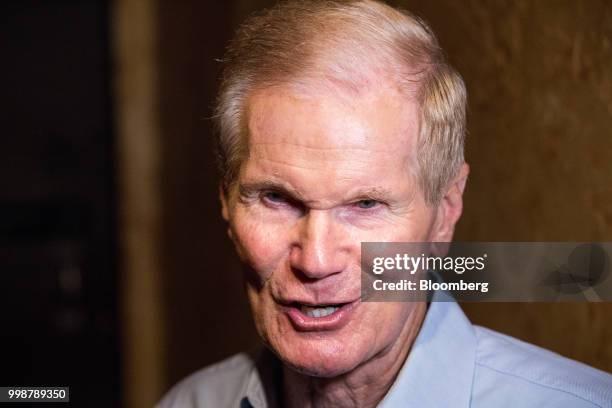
539 145
137 149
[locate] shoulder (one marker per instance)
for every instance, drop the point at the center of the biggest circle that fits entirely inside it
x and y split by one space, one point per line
527 375
220 384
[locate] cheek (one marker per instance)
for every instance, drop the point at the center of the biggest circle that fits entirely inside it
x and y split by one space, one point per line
260 245
413 228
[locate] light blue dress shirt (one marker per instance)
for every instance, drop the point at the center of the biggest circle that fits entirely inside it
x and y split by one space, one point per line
451 364
456 364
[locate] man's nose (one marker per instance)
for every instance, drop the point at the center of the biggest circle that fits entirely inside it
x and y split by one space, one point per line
320 249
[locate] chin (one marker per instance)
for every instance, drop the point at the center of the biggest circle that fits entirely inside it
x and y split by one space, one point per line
317 357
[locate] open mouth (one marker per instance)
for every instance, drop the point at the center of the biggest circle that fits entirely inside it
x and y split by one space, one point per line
307 317
319 311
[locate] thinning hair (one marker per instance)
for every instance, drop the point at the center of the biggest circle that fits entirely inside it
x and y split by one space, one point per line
350 45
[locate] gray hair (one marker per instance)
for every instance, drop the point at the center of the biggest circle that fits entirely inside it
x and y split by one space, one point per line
346 44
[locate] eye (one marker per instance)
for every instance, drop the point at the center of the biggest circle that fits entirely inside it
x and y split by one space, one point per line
366 204
274 197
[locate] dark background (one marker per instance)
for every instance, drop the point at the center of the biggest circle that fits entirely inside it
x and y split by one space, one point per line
117 278
58 276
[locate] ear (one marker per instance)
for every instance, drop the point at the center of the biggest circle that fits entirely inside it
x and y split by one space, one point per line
225 213
224 203
450 208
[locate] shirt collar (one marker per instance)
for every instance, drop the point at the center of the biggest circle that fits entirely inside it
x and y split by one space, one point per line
264 383
438 372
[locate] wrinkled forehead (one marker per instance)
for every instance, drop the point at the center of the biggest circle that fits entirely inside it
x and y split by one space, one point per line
368 137
378 118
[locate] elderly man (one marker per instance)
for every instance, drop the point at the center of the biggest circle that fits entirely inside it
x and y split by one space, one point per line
340 122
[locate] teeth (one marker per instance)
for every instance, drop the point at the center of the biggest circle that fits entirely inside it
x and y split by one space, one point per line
318 311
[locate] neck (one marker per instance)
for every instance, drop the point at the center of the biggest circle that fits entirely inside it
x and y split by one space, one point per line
364 386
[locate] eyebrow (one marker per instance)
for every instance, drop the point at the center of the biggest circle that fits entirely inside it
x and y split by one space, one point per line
250 188
376 193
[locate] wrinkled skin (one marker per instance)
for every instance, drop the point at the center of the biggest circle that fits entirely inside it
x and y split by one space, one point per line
325 173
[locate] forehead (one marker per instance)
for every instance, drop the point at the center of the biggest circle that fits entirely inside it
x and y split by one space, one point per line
378 119
337 138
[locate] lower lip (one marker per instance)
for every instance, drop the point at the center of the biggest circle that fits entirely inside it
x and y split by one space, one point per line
334 321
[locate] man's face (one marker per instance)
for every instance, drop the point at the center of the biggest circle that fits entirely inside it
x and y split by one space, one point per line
325 173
